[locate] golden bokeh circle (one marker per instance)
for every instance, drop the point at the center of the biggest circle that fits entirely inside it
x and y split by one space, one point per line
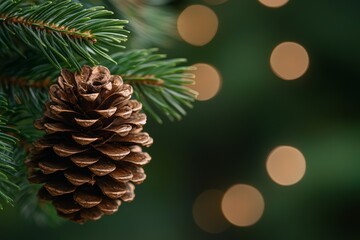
289 60
197 25
207 81
207 212
286 165
274 3
243 205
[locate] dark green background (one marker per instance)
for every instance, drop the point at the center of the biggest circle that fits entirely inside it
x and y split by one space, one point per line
226 140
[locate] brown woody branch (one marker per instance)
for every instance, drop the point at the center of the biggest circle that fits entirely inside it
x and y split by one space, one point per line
74 33
23 82
145 80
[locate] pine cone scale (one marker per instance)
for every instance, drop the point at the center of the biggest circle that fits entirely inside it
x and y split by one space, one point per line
106 113
91 97
51 166
138 158
86 123
124 129
55 127
114 152
129 195
121 174
84 160
91 213
63 150
87 199
111 188
84 140
58 188
109 206
102 167
78 177
66 205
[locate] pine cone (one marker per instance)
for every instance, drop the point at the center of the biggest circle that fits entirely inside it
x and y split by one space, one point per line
91 154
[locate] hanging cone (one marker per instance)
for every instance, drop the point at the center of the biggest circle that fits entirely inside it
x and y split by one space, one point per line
91 155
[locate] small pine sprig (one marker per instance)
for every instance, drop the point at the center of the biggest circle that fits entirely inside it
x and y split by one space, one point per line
159 83
62 30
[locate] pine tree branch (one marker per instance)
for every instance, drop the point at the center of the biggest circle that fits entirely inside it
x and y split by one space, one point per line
8 166
25 96
26 197
146 80
25 83
159 83
37 39
61 30
151 24
22 115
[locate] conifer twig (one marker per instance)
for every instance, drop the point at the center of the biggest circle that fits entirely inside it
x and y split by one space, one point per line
61 30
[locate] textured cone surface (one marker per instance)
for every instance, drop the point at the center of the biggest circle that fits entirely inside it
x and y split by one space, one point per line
91 155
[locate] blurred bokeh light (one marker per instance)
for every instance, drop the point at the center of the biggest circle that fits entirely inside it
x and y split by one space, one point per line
207 81
207 212
243 205
286 165
274 3
197 25
289 60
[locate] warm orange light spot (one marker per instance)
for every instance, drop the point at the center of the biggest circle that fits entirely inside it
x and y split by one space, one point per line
207 212
274 3
243 205
289 60
197 25
215 2
207 81
286 165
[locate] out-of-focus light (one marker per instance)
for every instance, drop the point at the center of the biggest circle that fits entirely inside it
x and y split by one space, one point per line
243 205
286 165
274 3
215 2
207 212
197 25
289 60
207 81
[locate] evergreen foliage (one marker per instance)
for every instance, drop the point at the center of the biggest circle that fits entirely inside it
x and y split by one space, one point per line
39 38
8 167
62 30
